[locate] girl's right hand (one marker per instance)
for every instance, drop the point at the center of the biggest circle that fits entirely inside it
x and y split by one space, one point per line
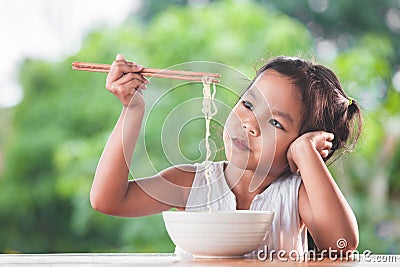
319 141
124 81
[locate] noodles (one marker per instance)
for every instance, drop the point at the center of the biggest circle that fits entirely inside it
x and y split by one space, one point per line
209 110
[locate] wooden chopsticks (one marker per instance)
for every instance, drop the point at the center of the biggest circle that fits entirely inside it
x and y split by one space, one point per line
151 72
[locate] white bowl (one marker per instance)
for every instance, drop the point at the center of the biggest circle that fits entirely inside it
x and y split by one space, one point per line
218 233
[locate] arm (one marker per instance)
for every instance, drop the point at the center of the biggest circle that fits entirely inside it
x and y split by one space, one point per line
112 193
322 206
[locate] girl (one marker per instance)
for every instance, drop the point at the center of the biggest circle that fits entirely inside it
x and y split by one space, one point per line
289 121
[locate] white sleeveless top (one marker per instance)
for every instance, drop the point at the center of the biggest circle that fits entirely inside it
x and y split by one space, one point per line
281 197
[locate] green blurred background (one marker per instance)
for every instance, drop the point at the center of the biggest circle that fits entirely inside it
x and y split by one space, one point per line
51 141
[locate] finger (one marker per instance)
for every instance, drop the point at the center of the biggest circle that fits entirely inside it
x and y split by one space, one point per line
136 91
121 67
324 153
292 165
132 76
126 67
324 149
128 63
329 136
142 87
120 57
139 90
328 145
116 71
129 87
124 89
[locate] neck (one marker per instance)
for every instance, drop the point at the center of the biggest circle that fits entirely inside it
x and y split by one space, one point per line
245 184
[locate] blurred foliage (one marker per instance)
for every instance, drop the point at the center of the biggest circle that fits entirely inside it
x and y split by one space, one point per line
56 135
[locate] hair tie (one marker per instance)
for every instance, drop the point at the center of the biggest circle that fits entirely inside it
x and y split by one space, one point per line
350 101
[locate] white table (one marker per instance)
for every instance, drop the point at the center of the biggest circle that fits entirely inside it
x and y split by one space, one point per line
167 259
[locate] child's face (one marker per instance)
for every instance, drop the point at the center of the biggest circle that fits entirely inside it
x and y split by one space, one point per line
262 125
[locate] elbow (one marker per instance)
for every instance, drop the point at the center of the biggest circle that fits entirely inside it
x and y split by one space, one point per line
341 244
95 203
98 204
351 240
348 244
351 243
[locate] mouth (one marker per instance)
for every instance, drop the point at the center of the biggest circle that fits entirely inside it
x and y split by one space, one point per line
240 143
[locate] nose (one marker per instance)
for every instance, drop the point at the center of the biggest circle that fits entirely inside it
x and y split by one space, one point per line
251 128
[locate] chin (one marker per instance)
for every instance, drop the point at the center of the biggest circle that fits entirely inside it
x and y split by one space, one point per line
241 163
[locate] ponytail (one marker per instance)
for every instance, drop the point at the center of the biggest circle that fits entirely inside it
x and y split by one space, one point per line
355 118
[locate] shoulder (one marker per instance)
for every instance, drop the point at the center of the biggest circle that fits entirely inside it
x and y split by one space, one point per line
181 178
291 182
181 175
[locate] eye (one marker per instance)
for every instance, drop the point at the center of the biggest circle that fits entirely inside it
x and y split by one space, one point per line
276 124
248 105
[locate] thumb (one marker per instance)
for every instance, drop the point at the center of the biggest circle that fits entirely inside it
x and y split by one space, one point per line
292 165
120 57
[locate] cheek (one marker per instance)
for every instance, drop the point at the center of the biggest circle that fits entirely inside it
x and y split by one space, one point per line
227 144
232 124
233 116
225 137
264 149
282 147
273 148
269 139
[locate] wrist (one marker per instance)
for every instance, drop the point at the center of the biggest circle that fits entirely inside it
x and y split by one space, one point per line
302 150
132 113
138 109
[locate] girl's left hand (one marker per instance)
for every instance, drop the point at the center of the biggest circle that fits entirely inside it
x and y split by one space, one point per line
300 148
